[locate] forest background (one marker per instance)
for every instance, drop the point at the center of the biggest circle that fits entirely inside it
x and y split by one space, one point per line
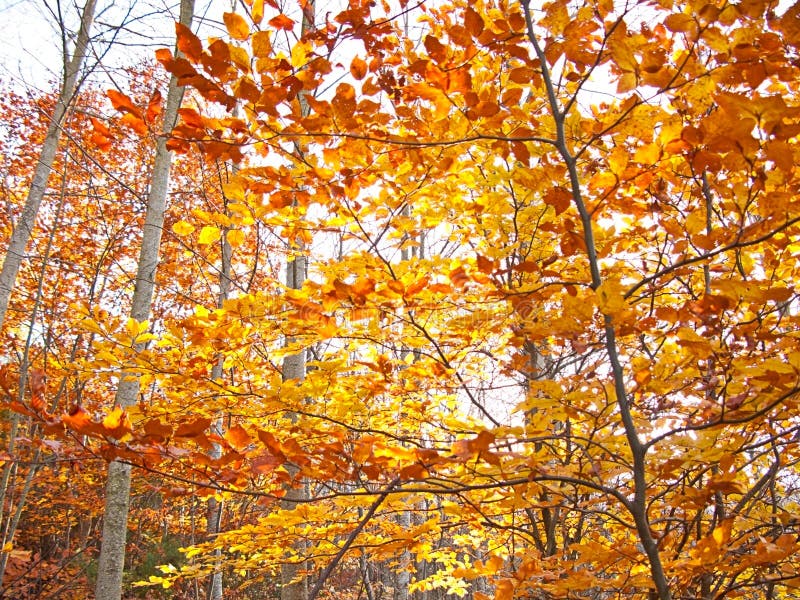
401 300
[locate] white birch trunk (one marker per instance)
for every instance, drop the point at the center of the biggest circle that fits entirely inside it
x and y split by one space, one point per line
118 483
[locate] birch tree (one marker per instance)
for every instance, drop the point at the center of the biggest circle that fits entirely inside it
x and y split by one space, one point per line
118 481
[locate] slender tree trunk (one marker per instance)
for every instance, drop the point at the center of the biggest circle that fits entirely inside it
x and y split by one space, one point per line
214 505
23 228
294 367
10 521
118 483
402 578
638 506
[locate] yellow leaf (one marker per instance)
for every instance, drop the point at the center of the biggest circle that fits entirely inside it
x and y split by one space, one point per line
610 297
647 154
133 328
300 53
618 160
240 57
696 222
209 234
235 237
234 189
690 339
257 12
182 228
237 26
113 419
8 547
722 534
621 51
627 82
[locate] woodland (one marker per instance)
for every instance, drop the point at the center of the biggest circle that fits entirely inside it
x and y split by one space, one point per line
404 300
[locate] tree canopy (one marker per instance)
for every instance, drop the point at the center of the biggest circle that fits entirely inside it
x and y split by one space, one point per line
549 316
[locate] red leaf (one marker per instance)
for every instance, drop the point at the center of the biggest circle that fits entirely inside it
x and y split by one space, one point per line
473 22
193 428
265 463
282 22
559 198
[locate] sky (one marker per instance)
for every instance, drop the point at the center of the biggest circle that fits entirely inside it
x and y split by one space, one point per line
31 50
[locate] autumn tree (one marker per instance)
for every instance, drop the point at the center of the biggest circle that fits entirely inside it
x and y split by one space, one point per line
616 237
587 382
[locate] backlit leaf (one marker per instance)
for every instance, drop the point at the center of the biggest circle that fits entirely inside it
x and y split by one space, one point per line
209 234
237 27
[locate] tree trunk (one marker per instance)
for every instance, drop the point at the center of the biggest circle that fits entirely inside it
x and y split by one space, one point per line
214 505
118 483
294 367
24 225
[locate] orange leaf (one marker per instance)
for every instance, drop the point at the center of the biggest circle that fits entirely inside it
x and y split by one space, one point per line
155 429
100 127
238 437
154 107
237 26
123 103
37 382
262 44
78 419
37 403
101 136
436 50
358 68
484 264
415 471
135 122
265 463
188 42
116 423
504 590
679 22
473 22
191 117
